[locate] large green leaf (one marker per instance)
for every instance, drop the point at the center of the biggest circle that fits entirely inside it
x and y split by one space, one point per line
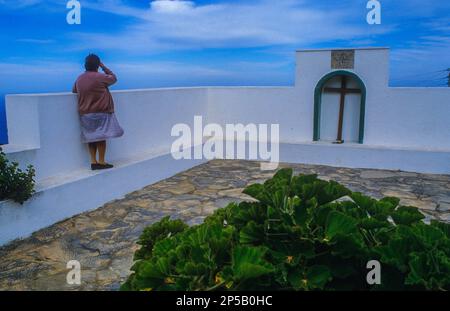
162 247
339 223
283 175
279 183
303 212
418 267
331 191
245 212
252 233
430 236
249 263
256 191
296 279
363 201
155 270
381 210
406 215
430 269
192 268
372 223
158 231
318 276
299 183
396 253
391 200
445 228
348 246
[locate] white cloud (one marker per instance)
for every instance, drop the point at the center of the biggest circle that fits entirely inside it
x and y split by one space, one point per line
44 67
167 68
229 24
171 6
35 41
19 4
277 26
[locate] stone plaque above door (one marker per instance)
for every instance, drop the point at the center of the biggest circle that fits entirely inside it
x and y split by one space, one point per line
343 59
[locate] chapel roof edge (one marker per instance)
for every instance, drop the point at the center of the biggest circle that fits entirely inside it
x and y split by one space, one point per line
346 48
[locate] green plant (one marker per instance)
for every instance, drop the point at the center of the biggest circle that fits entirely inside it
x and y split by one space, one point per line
303 233
152 234
15 184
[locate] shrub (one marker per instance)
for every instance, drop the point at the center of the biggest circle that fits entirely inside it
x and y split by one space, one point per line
303 233
14 183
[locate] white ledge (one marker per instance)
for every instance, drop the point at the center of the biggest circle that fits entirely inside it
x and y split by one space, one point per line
344 49
10 148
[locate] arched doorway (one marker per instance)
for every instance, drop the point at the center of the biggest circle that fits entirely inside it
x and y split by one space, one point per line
339 108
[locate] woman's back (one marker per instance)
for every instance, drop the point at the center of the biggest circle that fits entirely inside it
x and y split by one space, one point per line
93 93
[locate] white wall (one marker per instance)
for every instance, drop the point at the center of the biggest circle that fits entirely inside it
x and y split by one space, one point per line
259 105
52 130
397 117
410 117
47 124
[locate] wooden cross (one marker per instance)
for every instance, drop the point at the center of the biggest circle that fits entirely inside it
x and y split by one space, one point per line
343 90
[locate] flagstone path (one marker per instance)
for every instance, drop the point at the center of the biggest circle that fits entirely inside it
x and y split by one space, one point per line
103 240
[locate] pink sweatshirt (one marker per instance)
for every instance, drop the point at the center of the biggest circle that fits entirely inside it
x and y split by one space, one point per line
93 92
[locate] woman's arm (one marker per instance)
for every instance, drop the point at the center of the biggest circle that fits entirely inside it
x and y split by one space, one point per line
109 77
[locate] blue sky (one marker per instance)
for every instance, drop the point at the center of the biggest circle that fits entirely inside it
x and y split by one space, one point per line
224 42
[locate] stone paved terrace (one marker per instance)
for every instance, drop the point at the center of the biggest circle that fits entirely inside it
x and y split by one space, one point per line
103 240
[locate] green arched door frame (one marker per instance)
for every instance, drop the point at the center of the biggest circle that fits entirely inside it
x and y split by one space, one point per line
318 101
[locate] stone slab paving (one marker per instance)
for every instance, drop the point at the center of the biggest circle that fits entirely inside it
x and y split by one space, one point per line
103 240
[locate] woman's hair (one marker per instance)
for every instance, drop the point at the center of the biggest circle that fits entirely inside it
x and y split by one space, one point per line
92 62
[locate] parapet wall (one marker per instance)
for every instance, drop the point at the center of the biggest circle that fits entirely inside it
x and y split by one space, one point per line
44 129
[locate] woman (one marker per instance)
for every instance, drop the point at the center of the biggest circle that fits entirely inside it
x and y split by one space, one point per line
96 109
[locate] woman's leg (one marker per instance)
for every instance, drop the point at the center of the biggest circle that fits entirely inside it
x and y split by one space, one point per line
93 152
101 145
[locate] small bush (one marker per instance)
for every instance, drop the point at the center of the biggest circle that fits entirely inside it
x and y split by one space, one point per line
160 230
14 183
302 234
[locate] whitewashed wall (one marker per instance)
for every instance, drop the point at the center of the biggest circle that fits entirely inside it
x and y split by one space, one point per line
47 126
258 105
410 117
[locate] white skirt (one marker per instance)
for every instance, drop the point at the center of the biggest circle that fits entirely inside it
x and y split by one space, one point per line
99 126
